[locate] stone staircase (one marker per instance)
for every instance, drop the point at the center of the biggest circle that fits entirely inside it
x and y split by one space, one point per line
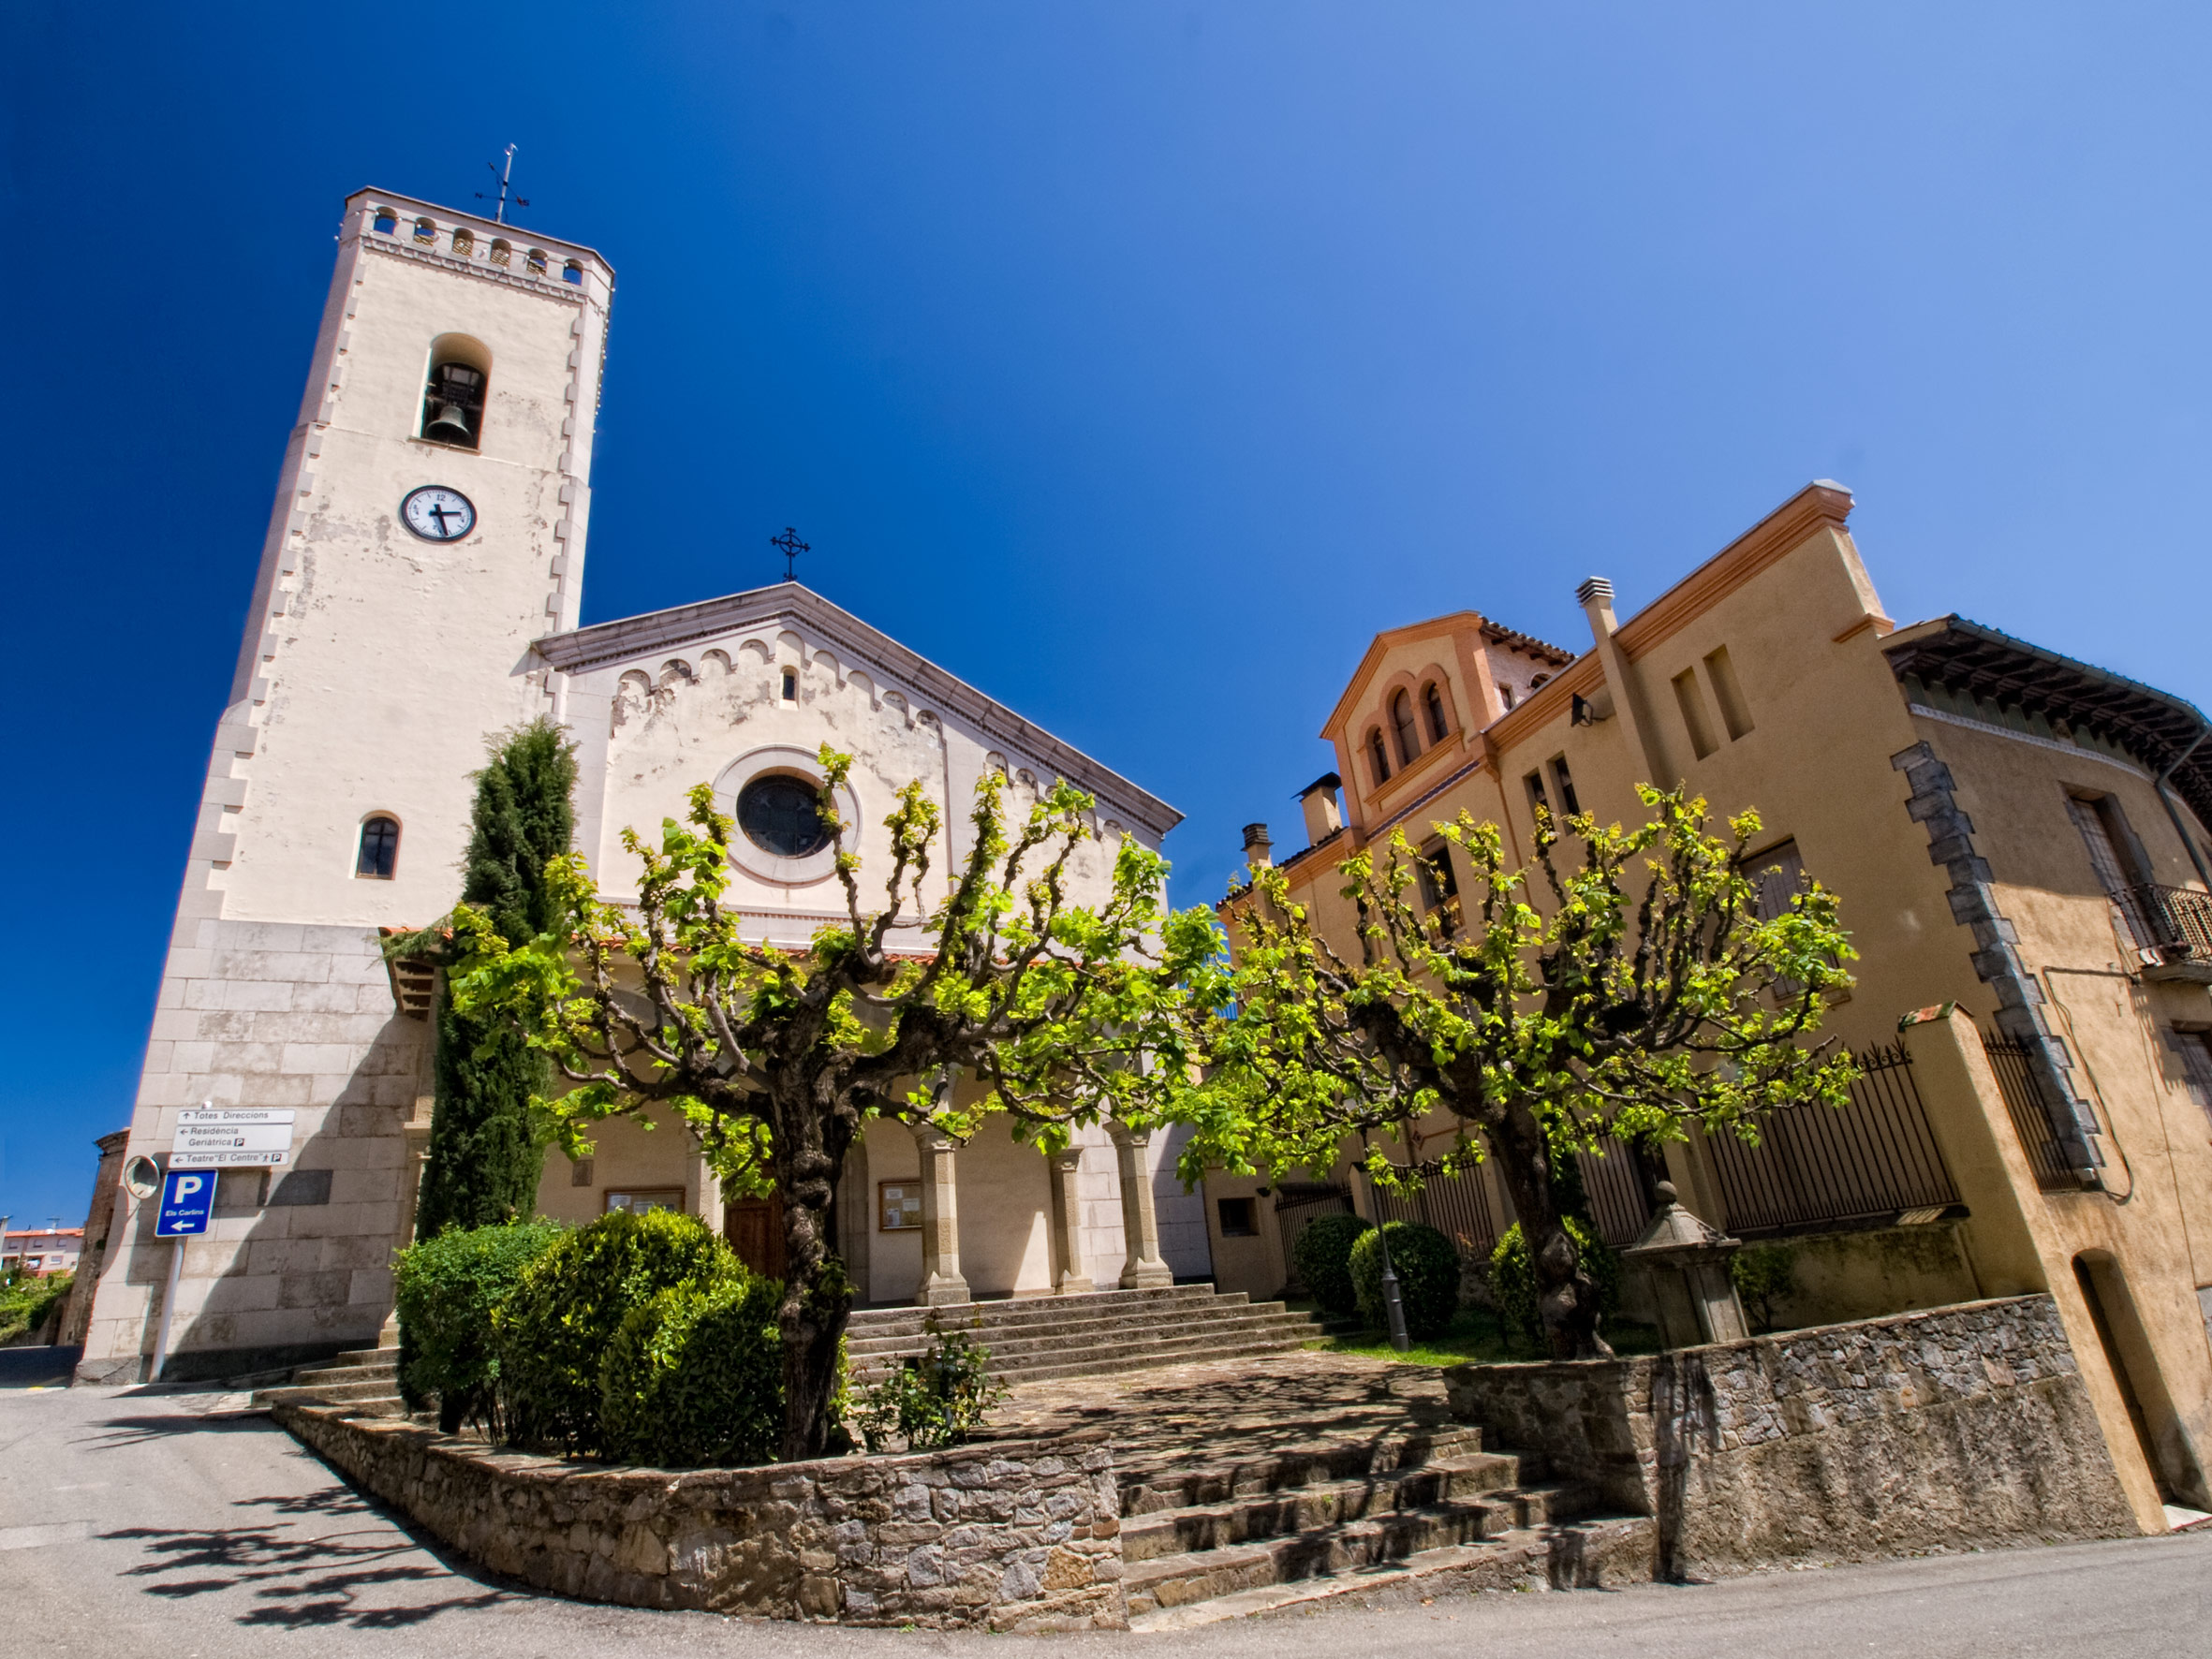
1034 1339
364 1380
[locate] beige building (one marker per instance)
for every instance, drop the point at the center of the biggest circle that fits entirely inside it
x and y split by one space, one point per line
417 591
2019 843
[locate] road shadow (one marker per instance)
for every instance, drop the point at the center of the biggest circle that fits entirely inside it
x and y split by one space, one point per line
38 1367
114 1433
317 1558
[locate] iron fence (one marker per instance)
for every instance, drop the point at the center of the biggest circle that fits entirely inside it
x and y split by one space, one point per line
2025 1104
1619 1188
1297 1207
1818 1165
1457 1206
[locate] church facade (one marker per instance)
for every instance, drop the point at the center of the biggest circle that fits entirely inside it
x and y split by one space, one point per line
418 590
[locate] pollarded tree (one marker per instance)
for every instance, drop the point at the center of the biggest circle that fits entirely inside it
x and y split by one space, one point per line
1067 1013
1646 994
484 1159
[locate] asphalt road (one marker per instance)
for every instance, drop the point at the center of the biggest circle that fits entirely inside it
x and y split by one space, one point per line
180 1527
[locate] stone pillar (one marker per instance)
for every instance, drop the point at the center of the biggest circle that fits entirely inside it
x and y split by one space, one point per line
1139 1225
702 1188
941 1283
1068 1277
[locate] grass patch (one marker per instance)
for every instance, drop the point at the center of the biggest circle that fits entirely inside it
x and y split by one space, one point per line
1478 1336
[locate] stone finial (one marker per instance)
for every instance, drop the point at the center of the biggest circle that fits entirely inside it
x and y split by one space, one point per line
1686 1261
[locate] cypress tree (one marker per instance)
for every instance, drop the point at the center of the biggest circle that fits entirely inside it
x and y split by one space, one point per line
484 1159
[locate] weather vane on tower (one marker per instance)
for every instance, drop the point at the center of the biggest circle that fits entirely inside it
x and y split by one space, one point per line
499 213
790 547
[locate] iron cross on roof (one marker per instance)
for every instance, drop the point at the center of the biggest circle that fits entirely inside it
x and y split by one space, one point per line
791 546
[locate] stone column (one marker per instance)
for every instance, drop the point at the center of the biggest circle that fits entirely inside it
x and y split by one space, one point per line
702 1188
1069 1279
1139 1225
941 1283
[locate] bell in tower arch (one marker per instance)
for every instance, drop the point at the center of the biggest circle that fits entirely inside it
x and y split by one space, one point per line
453 405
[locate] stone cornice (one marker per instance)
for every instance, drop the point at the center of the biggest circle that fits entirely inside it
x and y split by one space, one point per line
638 637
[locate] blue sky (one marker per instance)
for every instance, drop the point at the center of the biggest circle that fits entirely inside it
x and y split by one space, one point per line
1135 362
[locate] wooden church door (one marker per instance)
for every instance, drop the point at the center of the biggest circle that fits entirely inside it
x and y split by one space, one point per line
755 1227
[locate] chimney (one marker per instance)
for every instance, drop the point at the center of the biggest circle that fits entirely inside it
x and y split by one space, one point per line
1256 845
1318 799
1595 597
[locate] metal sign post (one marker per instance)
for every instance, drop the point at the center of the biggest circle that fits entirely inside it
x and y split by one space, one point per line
187 1198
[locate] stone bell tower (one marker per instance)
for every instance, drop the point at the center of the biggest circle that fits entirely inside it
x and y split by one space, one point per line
429 526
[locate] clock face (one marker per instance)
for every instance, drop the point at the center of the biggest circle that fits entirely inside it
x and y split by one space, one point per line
436 513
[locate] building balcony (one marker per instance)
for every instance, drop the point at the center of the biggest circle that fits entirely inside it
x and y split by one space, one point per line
2174 928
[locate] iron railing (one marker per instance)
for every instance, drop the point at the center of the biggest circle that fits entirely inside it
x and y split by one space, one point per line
1619 1192
2025 1104
2175 922
1297 1207
1818 1166
1457 1206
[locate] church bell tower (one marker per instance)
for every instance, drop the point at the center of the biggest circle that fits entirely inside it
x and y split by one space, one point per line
429 526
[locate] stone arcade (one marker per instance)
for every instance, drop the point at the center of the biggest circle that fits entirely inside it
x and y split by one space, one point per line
418 589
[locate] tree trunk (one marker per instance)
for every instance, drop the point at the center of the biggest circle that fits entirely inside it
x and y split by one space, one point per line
1566 1295
817 1295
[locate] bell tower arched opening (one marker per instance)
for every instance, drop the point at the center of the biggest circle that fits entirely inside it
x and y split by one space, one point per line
454 391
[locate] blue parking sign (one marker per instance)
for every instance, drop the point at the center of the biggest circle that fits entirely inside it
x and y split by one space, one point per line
186 1196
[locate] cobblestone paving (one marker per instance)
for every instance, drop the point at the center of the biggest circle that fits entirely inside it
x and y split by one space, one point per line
1248 1408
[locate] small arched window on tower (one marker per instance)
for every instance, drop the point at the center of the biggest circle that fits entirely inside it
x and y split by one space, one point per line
453 394
380 848
1432 704
1378 756
533 261
1401 719
463 244
385 222
426 231
502 251
572 272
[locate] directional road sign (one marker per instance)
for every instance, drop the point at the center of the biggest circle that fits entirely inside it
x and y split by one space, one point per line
233 1137
186 1196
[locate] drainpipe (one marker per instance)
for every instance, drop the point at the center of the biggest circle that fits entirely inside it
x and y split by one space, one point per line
2173 811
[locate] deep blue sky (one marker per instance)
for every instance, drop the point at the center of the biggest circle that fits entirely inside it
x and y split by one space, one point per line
1135 362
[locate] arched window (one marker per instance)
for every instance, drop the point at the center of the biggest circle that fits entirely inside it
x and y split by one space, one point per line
1432 702
572 272
463 244
1401 719
380 848
1378 756
426 232
533 261
385 222
454 391
502 251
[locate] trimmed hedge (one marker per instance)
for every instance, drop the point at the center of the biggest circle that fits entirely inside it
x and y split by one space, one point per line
1512 1276
1427 1268
694 1378
556 1330
1323 1258
448 1289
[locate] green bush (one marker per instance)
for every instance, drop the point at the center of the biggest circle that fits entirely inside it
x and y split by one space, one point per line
1428 1269
27 1300
938 1397
1765 1276
1322 1256
555 1331
694 1378
448 1289
1512 1277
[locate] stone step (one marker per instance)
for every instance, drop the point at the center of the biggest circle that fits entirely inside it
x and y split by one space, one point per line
1181 1485
1615 1551
1073 1323
375 1400
1012 1352
1486 1478
1137 1351
386 1355
1096 1304
325 1374
1144 1360
1200 1574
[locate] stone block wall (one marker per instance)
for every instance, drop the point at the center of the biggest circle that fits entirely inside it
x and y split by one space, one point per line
1948 1429
1021 1535
276 1015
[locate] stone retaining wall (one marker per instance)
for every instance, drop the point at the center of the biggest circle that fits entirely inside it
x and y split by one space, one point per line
1017 1537
1943 1429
